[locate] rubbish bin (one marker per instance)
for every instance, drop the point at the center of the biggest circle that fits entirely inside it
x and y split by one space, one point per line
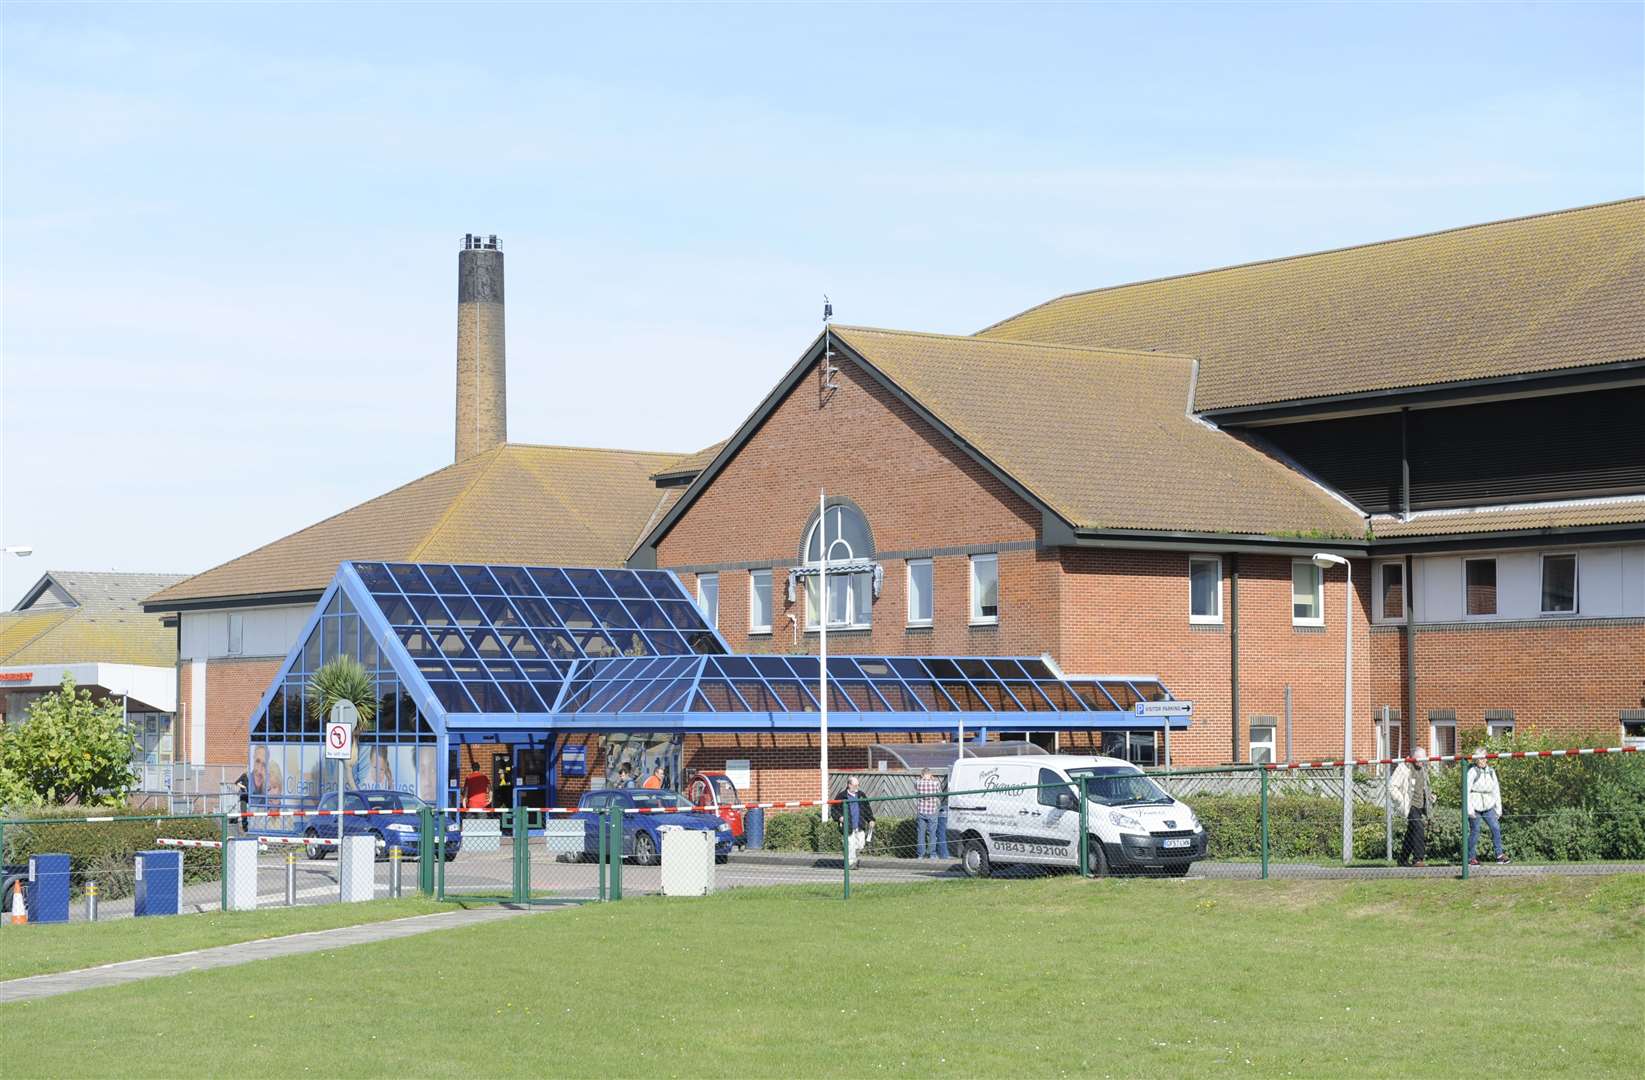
47 898
159 881
754 829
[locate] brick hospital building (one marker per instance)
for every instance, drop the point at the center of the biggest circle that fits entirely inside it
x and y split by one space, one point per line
1141 480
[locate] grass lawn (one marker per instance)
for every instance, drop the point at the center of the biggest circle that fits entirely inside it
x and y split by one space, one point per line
1489 978
37 949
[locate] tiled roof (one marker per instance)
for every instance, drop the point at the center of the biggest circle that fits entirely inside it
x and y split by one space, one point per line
1535 294
19 628
1101 436
96 590
1513 519
542 505
81 638
690 465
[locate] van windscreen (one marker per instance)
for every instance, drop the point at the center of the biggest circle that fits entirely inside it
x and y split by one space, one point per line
1112 785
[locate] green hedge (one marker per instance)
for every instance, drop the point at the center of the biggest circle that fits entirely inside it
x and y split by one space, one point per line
106 851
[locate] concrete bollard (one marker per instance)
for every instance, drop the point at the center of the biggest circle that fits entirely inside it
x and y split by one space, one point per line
240 864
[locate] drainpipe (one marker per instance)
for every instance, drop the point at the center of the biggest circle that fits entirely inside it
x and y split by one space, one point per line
1233 655
1410 656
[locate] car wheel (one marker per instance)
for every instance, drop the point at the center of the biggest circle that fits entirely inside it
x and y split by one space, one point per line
379 846
645 849
1096 860
974 858
313 849
451 853
722 856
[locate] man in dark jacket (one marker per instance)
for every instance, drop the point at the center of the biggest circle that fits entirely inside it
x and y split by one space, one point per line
856 815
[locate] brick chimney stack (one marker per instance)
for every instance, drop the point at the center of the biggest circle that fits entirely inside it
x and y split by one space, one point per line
482 393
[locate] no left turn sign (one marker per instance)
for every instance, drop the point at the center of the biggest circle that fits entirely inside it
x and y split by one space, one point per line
339 740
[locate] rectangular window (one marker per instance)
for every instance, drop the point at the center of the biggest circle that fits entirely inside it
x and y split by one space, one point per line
759 601
1391 590
1262 743
850 601
708 599
237 634
1633 727
1499 722
985 589
1442 724
1559 595
1204 590
919 592
1479 581
1306 609
1143 749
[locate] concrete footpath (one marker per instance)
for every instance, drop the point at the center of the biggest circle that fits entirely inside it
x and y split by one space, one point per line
153 967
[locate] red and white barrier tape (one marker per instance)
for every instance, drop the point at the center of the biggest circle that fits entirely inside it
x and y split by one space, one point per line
1583 751
262 841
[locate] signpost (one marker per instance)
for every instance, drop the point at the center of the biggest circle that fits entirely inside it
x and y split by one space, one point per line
1166 710
340 747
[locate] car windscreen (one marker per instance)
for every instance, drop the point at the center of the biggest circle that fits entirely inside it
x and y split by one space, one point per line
659 800
382 800
1115 786
724 790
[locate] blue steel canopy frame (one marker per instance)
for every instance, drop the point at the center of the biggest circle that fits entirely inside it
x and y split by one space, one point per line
502 654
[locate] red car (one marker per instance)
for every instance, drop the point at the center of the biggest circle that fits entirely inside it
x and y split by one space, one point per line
714 793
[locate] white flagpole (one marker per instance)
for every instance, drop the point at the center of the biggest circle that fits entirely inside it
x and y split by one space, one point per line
822 633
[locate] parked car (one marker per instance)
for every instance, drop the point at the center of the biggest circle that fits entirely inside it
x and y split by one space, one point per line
642 838
1131 822
714 793
400 829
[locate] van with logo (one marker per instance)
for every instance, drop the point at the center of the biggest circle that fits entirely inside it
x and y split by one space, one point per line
1026 811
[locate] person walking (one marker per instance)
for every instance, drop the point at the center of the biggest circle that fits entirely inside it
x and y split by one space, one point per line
856 816
1415 797
625 775
1484 801
925 815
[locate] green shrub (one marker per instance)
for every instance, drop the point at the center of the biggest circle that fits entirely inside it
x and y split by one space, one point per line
791 831
106 851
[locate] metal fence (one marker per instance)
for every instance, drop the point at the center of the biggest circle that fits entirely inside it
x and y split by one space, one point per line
1554 811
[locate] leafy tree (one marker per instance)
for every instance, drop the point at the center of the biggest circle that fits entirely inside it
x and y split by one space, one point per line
68 748
342 678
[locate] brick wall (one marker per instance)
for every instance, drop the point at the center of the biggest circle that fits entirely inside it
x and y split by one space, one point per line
233 689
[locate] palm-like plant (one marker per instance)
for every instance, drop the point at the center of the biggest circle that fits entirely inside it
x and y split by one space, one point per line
342 678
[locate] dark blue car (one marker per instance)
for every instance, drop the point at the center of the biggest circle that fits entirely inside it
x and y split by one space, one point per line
398 829
642 840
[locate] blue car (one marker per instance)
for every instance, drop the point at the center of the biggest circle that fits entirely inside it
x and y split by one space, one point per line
399 829
642 840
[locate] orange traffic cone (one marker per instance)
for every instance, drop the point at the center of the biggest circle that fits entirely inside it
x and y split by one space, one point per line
19 914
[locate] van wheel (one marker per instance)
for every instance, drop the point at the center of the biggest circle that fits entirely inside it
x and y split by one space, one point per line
1096 859
974 859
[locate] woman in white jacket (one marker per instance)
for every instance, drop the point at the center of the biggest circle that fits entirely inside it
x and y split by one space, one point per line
1484 801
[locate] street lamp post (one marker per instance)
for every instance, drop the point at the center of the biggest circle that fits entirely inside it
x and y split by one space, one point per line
1324 560
22 551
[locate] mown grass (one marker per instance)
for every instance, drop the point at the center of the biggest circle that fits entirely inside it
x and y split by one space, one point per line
1499 978
40 948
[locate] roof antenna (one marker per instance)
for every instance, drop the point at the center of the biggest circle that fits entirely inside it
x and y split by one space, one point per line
828 370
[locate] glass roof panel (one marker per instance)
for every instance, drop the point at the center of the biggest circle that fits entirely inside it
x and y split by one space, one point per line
514 580
551 581
477 579
589 582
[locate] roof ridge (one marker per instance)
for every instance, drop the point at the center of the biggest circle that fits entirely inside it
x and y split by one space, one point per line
481 473
1311 255
1028 343
592 449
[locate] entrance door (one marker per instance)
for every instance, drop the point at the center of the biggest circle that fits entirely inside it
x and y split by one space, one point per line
530 777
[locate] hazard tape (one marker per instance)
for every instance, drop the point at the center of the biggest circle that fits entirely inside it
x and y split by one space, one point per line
1582 751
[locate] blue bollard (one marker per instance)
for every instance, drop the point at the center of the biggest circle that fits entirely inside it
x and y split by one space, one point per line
159 882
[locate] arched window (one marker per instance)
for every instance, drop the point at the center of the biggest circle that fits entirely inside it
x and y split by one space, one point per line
850 582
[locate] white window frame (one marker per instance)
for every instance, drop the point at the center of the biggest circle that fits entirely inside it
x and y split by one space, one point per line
931 591
861 584
1576 582
1270 744
1378 592
712 617
977 617
1215 616
1433 736
754 578
1498 726
1466 614
1319 594
236 645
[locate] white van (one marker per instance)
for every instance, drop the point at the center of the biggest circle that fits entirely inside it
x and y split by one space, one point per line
1132 823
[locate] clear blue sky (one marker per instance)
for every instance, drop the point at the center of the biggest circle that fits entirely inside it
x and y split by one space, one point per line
230 232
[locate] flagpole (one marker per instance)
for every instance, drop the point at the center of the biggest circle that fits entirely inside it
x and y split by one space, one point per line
822 634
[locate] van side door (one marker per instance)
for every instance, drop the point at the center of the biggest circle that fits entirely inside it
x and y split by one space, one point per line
1057 809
